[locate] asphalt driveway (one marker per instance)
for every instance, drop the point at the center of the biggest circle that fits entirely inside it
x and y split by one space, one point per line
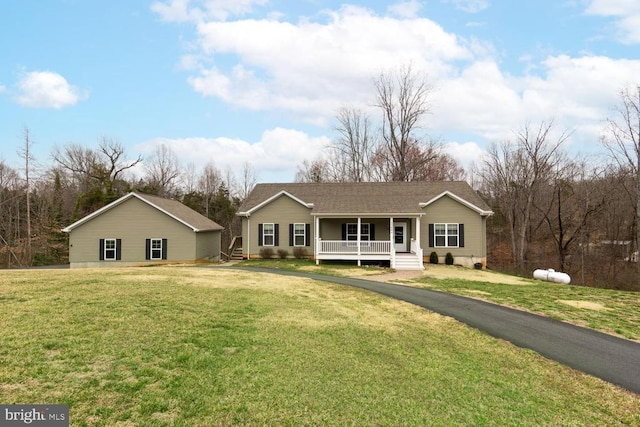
610 358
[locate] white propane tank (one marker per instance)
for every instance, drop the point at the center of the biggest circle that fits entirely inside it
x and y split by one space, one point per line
551 275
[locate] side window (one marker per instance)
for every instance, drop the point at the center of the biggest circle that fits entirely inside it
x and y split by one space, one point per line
268 234
110 249
156 248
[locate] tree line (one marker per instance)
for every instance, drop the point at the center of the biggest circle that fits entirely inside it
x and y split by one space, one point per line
82 180
570 212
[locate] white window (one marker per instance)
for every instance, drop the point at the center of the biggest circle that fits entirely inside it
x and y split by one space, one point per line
446 235
156 248
352 231
299 234
268 234
110 252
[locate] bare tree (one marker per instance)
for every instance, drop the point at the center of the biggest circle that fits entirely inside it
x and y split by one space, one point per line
98 174
354 146
313 171
209 183
162 171
248 180
622 139
514 174
25 153
403 97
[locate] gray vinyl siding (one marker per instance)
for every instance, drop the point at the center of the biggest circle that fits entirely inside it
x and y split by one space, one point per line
208 245
450 211
133 221
283 211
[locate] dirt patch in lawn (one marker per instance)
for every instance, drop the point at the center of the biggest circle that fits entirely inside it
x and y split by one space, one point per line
589 305
450 272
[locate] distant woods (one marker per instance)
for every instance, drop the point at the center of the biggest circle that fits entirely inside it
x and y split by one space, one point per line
81 180
572 213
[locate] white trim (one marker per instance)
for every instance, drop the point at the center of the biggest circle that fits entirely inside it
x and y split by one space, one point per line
151 240
271 199
368 215
459 199
119 202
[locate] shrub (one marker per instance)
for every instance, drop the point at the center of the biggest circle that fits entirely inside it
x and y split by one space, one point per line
448 259
266 253
299 253
282 253
433 258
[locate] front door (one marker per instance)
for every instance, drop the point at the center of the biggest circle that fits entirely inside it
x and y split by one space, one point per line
400 236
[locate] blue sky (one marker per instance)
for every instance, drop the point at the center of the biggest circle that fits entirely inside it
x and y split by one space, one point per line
260 81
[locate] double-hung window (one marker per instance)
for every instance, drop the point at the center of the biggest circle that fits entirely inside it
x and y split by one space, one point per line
446 235
268 234
109 249
365 231
299 234
156 249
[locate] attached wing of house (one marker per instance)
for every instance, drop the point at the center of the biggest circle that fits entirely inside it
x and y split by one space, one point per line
399 223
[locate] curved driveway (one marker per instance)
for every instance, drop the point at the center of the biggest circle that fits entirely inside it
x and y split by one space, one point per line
605 356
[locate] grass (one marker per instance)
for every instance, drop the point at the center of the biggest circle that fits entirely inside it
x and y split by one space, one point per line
333 268
610 311
179 346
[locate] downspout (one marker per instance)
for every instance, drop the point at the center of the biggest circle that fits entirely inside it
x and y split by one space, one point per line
248 237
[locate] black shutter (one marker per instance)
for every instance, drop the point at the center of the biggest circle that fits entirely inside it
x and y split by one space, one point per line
164 248
118 249
276 239
147 249
260 243
101 256
291 242
372 232
431 235
461 235
307 234
344 231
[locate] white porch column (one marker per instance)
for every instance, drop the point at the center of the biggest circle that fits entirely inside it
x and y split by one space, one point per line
418 241
392 247
316 239
358 240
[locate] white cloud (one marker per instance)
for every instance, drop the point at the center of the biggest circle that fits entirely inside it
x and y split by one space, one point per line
2 88
275 156
468 154
470 6
311 68
626 14
406 9
201 10
46 89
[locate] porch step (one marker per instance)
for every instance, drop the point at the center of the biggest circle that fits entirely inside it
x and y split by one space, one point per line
236 255
408 262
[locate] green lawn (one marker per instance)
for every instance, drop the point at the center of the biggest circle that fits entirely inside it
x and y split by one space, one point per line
182 346
610 311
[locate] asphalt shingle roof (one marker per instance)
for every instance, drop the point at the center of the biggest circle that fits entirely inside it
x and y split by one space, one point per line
182 212
365 198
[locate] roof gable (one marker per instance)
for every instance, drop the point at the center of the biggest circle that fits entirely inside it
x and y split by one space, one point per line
460 200
172 208
275 197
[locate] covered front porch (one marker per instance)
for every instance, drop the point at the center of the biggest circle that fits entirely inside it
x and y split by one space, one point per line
369 238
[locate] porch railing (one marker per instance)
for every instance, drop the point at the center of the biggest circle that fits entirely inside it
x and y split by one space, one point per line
351 247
